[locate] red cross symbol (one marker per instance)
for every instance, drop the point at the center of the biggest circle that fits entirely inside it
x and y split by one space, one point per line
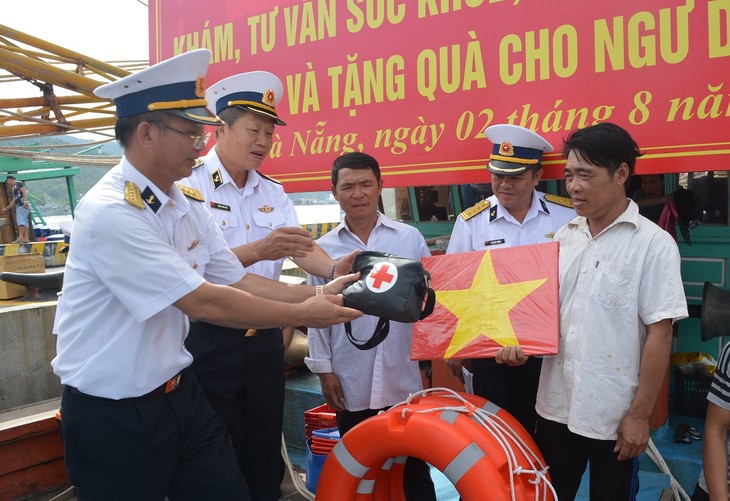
381 275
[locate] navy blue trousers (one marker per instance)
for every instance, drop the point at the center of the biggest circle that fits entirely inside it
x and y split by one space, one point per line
243 378
149 447
512 388
567 454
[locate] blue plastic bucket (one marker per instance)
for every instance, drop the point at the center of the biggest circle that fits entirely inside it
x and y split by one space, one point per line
314 467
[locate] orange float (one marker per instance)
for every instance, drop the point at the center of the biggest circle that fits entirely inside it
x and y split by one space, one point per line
479 447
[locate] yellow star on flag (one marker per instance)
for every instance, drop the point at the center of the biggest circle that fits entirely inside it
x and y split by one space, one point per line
483 309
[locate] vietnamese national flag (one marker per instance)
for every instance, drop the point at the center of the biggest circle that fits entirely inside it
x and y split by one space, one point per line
489 299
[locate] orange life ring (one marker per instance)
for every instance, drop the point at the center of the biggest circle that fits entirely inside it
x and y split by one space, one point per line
362 464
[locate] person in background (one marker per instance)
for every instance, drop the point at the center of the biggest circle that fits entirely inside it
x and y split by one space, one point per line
714 482
620 292
650 197
19 202
517 214
359 384
244 370
146 256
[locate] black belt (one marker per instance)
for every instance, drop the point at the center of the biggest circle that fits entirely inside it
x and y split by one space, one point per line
168 386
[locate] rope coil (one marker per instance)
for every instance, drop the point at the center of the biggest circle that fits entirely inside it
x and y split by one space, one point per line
480 448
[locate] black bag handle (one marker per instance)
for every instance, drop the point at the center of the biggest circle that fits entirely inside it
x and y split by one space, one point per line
381 332
383 327
430 303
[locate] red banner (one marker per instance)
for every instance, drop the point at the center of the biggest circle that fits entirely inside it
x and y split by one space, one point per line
415 83
489 299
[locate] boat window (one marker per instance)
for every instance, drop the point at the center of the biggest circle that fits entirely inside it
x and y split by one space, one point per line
433 203
711 187
396 205
473 193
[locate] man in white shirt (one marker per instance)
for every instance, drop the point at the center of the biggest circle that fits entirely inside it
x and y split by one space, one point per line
517 214
620 292
243 373
360 383
146 256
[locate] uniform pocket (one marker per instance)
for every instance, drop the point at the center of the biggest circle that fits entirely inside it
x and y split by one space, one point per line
614 285
270 220
198 258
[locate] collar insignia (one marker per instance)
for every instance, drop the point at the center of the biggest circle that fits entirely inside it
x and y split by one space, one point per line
151 199
493 214
216 178
544 206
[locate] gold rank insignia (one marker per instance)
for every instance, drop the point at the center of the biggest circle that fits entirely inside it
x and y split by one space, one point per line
266 209
550 235
564 201
475 209
264 176
189 192
132 195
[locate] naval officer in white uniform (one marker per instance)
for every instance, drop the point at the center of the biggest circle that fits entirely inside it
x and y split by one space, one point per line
517 214
242 373
146 255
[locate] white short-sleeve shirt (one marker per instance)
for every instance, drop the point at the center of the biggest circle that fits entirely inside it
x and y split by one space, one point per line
611 287
119 334
384 375
246 214
495 227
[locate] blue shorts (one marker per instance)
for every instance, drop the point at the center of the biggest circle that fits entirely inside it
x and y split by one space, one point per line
21 214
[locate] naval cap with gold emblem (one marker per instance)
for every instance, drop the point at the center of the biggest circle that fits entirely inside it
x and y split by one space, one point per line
257 91
176 86
516 149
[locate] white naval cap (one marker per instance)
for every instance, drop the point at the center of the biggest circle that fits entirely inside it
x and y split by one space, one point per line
516 149
257 91
176 86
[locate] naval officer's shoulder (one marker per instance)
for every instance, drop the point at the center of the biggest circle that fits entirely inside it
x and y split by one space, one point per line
558 200
475 209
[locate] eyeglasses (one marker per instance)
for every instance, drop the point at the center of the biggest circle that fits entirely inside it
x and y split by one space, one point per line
199 140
